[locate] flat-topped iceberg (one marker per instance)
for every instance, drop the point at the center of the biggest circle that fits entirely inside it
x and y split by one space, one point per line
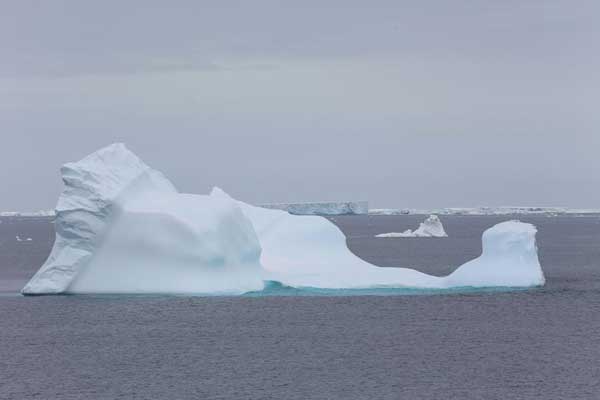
322 207
431 227
122 227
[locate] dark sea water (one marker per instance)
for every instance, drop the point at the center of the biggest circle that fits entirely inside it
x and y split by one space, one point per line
526 344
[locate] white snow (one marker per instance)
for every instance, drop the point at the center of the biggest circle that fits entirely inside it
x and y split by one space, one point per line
322 208
121 227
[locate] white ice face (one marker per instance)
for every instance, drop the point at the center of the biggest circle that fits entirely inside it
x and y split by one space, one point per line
123 228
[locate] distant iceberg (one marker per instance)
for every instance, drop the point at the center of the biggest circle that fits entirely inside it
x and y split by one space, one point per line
431 227
121 227
322 208
28 214
485 211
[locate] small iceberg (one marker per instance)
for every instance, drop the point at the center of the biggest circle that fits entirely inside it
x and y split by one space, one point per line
122 227
431 227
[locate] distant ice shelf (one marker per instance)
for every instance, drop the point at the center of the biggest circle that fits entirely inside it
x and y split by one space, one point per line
485 211
28 214
322 208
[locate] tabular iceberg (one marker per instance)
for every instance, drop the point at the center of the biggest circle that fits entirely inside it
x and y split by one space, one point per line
431 227
122 227
322 208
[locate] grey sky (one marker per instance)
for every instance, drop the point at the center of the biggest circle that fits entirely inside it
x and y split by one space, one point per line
406 104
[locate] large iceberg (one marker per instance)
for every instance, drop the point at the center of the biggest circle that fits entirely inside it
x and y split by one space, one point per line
431 227
121 227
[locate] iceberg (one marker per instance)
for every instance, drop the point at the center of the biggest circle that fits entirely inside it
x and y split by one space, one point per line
322 208
431 227
122 227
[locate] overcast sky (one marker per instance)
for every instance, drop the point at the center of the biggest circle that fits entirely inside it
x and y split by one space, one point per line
402 103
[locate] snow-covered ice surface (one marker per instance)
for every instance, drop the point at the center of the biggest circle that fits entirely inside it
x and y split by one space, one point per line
431 227
121 227
322 208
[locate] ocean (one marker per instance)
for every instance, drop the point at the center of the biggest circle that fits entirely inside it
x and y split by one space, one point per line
541 343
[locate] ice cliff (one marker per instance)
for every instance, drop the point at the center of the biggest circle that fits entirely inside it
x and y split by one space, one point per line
431 227
121 227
